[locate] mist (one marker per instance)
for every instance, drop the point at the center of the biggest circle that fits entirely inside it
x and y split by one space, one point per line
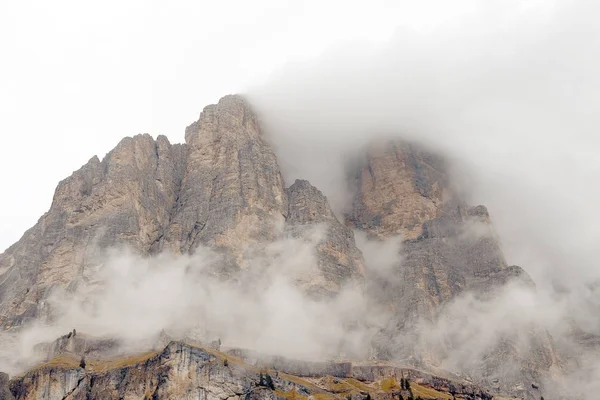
511 95
135 299
510 92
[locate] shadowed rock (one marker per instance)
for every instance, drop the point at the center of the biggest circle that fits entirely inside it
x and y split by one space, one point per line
5 393
339 260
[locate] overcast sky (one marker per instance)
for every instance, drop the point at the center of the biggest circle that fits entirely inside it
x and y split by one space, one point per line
76 77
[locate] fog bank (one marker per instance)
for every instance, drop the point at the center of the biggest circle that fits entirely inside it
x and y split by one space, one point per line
510 92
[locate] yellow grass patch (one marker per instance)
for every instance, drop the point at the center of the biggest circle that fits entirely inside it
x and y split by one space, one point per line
300 381
329 384
428 393
119 362
325 396
61 361
291 395
389 385
361 386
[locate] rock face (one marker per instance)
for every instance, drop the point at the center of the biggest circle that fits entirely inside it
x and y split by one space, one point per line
178 372
397 190
124 200
301 368
78 346
448 248
222 189
232 192
339 260
5 393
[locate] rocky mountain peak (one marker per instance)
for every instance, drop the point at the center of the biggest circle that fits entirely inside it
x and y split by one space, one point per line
232 191
223 189
230 116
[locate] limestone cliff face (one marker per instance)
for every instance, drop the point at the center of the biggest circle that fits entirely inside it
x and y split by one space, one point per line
232 192
124 200
398 188
456 253
449 249
179 372
339 260
222 189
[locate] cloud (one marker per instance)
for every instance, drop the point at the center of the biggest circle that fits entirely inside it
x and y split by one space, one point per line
134 298
382 257
509 94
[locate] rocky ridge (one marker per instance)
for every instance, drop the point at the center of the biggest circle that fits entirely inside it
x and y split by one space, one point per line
182 371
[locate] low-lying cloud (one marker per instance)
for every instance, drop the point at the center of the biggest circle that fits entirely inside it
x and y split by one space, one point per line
134 298
510 93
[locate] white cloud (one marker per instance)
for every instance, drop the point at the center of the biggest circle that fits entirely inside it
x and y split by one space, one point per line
134 298
76 77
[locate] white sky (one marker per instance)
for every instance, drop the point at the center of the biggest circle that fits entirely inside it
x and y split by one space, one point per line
76 77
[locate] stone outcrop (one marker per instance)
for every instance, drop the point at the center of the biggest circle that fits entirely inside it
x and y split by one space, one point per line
364 372
339 260
78 346
301 368
5 393
176 372
181 371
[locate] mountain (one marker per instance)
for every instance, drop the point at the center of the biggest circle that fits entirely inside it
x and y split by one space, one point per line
223 190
